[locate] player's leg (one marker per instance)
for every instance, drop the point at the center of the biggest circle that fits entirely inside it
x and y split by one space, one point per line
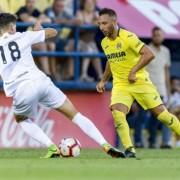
56 99
88 127
121 101
25 106
119 112
84 123
151 100
167 118
35 132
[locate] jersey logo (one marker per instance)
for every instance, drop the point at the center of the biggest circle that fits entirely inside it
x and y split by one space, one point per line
130 35
118 46
171 122
138 44
116 55
106 46
155 98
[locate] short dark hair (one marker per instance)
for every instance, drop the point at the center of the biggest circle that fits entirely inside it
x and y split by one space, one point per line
6 19
156 28
107 11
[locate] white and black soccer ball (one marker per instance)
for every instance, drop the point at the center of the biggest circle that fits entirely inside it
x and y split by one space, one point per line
70 147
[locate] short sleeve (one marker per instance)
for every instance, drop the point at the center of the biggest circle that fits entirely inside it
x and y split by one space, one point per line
103 44
34 37
134 42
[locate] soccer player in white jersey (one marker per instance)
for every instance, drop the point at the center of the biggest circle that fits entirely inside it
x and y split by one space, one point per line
29 86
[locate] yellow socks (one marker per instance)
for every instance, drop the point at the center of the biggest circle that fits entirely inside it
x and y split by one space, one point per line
170 121
122 129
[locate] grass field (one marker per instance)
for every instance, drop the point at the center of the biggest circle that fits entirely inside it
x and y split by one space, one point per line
91 165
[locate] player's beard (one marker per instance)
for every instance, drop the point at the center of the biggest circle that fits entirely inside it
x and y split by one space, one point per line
106 34
110 32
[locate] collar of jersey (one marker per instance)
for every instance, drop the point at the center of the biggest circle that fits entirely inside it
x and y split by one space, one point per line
4 35
117 34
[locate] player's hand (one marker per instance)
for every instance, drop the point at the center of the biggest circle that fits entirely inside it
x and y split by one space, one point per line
100 87
132 77
37 26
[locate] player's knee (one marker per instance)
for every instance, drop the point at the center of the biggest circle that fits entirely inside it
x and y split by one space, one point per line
68 109
158 110
19 118
119 107
119 117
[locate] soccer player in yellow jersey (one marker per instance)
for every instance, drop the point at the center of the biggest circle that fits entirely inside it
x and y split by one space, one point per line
127 57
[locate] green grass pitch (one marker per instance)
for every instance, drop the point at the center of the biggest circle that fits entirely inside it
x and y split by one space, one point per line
25 164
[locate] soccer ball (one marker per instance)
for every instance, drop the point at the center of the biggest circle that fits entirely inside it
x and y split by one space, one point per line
70 147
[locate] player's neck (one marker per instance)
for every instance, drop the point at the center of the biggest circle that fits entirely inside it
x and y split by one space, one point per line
114 34
157 46
4 32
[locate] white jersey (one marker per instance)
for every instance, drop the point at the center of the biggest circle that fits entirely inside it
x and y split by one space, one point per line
16 61
156 68
174 100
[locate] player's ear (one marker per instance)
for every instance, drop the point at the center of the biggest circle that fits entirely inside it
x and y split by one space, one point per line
12 28
114 22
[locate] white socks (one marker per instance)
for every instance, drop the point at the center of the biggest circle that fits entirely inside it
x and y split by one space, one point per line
89 128
83 122
35 132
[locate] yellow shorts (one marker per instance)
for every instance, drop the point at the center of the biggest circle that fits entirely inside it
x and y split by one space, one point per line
146 95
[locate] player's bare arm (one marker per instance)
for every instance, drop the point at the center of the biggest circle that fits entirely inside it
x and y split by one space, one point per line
49 32
146 57
107 74
26 18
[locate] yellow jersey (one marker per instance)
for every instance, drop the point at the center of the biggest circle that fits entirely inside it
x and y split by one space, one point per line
122 54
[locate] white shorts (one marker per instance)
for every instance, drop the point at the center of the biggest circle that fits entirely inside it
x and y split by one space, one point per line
30 94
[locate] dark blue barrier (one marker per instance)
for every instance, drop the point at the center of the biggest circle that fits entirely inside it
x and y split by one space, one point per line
67 54
75 85
57 26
